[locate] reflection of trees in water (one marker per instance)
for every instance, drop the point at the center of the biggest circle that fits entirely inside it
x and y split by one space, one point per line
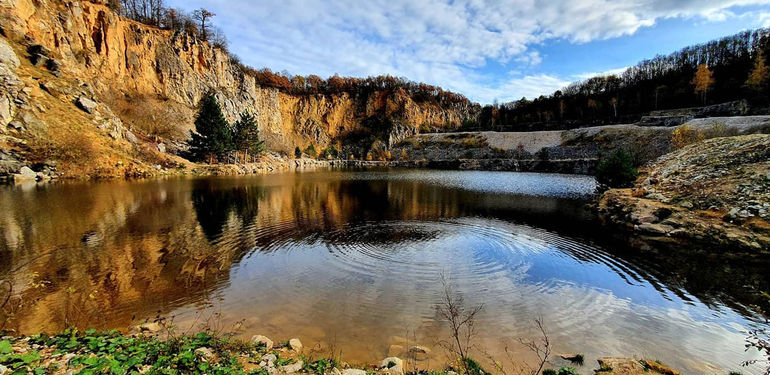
213 205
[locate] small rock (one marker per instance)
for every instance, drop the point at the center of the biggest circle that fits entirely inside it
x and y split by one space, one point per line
206 353
16 125
269 358
295 345
3 369
292 368
352 371
161 147
86 104
259 339
687 204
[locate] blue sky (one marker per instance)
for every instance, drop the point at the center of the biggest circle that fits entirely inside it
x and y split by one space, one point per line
484 49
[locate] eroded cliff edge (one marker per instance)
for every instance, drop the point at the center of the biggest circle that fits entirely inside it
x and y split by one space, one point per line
76 72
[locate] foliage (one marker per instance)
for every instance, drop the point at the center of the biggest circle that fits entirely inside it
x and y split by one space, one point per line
549 371
736 64
311 151
759 74
617 170
704 79
330 152
685 135
213 136
112 352
246 136
568 371
577 359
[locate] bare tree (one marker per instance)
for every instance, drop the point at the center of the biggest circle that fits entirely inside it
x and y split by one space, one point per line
203 16
461 321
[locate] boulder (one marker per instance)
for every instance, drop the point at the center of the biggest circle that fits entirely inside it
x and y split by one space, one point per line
259 339
393 365
86 104
7 56
295 345
25 174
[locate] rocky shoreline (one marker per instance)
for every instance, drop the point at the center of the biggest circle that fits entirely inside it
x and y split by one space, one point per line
714 193
149 350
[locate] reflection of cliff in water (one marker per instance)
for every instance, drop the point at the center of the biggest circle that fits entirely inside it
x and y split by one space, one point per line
108 252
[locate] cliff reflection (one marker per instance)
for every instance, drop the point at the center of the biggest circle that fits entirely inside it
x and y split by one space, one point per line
109 255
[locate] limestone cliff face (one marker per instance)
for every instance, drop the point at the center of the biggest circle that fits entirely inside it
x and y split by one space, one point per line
130 65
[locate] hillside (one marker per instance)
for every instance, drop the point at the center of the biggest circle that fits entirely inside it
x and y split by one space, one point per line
713 192
82 83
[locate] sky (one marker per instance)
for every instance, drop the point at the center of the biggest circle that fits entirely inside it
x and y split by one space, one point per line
485 49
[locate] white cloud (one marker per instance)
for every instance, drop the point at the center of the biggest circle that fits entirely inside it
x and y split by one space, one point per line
444 42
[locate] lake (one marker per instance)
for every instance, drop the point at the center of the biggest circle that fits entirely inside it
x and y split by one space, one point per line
353 261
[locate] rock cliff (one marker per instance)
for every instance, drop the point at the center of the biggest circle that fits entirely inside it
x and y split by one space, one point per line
142 84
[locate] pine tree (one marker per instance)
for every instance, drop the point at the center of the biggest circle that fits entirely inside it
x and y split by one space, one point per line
246 136
212 137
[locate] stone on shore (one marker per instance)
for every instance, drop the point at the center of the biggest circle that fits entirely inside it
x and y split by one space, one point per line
25 174
352 371
393 365
295 345
259 339
292 368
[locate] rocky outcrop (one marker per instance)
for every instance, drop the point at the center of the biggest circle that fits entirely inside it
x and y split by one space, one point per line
130 65
675 117
714 193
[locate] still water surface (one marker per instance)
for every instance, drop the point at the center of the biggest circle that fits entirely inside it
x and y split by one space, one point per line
353 261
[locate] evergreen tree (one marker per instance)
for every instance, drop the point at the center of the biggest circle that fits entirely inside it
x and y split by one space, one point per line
246 136
212 137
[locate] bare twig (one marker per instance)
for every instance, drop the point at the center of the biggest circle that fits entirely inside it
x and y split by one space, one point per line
461 322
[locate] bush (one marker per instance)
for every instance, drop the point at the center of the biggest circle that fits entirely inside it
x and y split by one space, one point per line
549 371
685 135
617 171
568 371
310 151
297 152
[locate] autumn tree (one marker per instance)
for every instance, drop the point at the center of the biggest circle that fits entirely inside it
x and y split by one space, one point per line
759 74
203 17
703 81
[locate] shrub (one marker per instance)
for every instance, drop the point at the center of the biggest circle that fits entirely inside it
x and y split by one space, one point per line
549 371
685 135
617 171
310 151
297 152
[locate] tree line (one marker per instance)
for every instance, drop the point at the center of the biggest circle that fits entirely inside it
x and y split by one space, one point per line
197 23
215 140
724 70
